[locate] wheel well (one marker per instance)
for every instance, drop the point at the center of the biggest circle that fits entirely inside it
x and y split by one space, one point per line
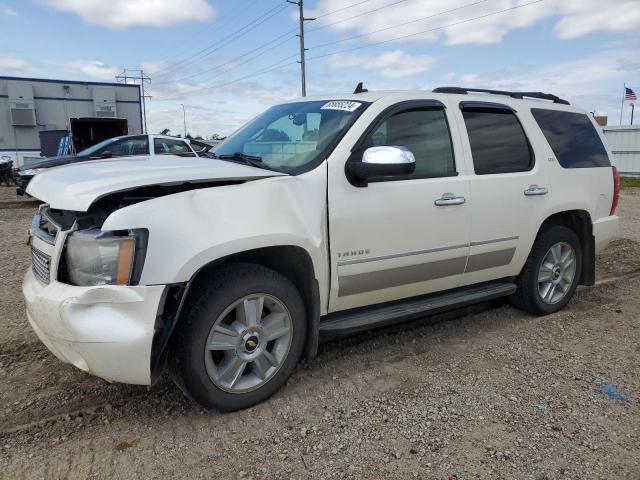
580 222
292 262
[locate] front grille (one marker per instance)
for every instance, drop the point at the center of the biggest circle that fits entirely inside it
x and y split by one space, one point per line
40 263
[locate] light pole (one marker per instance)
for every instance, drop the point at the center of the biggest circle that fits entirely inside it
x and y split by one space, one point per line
184 120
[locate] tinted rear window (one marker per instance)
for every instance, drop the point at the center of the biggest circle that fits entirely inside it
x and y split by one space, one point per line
498 143
573 138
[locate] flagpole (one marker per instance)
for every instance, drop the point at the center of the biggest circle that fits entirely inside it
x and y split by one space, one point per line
624 91
632 109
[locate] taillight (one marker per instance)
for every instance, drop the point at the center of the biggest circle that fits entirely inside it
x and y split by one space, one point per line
616 190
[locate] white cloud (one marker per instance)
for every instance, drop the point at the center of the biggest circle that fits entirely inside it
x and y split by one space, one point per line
393 64
150 68
593 82
16 66
585 16
221 109
436 19
575 77
7 11
93 68
118 14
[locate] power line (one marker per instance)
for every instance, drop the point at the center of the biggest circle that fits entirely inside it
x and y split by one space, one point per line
235 59
277 66
325 25
241 32
236 34
433 15
227 15
267 69
366 45
342 8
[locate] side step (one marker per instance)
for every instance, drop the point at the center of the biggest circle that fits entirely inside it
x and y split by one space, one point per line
343 323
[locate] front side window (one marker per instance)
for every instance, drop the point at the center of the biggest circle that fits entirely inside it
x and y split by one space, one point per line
498 142
293 137
425 132
572 137
96 150
129 146
167 146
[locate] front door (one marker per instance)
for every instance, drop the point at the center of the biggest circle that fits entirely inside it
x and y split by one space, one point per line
403 236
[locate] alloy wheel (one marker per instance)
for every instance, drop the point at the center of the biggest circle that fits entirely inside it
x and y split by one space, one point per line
248 343
557 272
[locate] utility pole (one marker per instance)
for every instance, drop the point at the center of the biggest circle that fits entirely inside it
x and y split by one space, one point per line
184 120
300 4
125 76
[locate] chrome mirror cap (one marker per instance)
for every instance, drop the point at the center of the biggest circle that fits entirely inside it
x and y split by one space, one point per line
386 155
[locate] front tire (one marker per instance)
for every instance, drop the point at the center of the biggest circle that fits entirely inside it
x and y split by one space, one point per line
550 276
241 337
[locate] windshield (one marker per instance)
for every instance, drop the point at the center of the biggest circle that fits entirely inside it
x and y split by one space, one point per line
89 151
293 137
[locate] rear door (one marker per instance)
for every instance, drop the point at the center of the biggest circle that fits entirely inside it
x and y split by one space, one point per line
510 190
393 238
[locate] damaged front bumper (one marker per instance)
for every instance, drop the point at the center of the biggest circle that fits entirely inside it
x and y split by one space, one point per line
106 331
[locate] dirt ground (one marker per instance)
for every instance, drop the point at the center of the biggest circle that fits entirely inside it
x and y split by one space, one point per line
486 392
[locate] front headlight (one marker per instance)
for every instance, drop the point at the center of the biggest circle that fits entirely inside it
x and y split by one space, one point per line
31 171
95 258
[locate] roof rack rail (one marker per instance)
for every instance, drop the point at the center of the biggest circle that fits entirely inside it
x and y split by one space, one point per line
520 95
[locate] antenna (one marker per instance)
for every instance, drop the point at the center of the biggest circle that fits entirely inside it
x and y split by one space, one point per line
360 89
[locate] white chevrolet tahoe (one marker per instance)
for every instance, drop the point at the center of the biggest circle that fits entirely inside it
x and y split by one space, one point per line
322 216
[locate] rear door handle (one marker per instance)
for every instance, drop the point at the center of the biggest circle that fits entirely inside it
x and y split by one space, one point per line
536 190
449 199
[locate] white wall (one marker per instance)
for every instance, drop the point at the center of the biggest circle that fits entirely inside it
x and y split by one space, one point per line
624 141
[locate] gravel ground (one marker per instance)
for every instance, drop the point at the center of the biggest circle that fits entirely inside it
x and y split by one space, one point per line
485 392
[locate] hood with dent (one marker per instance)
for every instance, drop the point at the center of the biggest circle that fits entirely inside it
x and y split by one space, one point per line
75 187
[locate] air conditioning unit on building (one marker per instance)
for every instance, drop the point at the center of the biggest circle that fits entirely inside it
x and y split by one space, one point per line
21 104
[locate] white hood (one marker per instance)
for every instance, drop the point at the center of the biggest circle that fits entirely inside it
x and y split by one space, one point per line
77 186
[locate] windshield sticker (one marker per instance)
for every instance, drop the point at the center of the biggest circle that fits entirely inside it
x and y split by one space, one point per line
344 105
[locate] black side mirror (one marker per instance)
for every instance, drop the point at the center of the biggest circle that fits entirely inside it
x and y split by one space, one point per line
387 161
106 154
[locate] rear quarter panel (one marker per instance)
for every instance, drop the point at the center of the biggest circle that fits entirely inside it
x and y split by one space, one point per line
589 189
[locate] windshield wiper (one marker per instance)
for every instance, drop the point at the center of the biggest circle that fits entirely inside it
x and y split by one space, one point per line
251 160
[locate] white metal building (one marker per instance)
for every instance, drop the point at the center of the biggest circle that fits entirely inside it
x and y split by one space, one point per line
30 106
624 141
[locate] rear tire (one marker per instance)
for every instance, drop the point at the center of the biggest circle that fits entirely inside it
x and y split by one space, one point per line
241 337
551 273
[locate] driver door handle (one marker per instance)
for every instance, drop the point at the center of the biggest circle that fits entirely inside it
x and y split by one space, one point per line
449 199
536 190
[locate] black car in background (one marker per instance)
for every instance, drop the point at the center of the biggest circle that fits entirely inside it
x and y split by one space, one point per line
125 146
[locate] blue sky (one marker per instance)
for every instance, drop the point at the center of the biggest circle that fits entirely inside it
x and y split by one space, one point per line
220 57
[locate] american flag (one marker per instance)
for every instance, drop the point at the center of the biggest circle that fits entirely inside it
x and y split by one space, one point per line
629 94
